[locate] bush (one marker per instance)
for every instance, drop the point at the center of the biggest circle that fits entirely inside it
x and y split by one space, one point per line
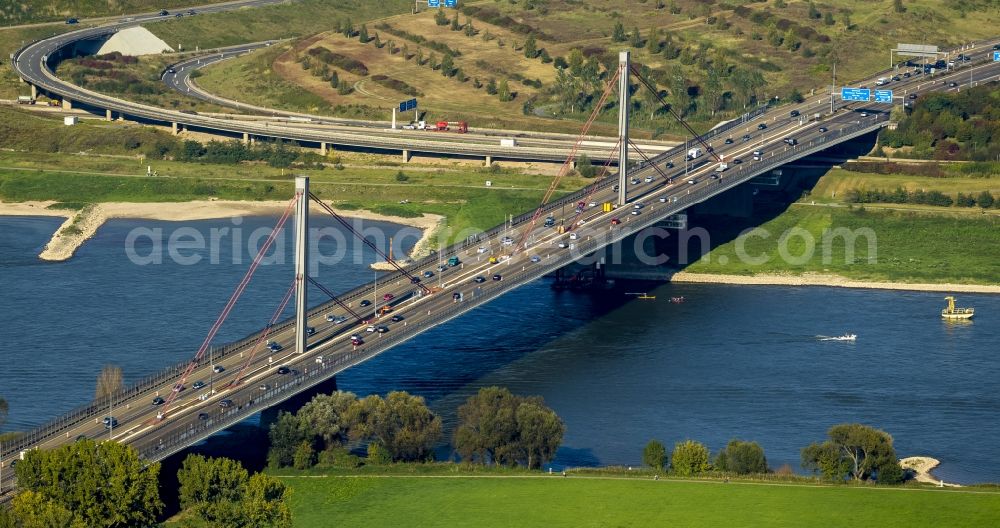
655 455
689 458
402 177
741 458
335 59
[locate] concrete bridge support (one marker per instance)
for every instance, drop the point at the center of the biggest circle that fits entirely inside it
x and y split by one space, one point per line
489 160
406 155
322 148
301 257
246 137
175 128
108 116
67 104
34 91
623 107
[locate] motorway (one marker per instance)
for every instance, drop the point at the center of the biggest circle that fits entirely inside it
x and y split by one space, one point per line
32 64
179 78
197 411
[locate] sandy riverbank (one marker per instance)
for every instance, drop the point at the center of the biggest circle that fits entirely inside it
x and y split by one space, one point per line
819 279
63 244
922 467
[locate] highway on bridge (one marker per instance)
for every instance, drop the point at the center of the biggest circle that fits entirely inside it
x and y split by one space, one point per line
525 251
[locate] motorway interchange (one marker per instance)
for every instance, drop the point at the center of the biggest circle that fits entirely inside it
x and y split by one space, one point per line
507 255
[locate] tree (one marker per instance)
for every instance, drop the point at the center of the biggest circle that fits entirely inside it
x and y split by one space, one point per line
286 434
689 458
741 458
348 28
828 18
530 47
401 423
103 484
984 200
334 79
654 455
32 510
455 26
344 88
636 40
585 167
220 492
897 6
854 451
447 65
376 41
618 33
440 18
540 432
363 34
813 12
109 381
305 456
498 427
503 91
491 86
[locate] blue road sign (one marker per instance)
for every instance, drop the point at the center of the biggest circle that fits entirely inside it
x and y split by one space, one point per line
883 96
451 3
407 105
433 3
855 94
996 56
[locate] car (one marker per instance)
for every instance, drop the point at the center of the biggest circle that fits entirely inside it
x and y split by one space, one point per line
615 188
615 221
729 141
550 222
952 84
310 330
746 137
355 337
648 179
442 267
178 387
906 74
479 279
80 438
692 181
198 385
794 113
414 280
737 161
388 297
456 296
634 181
592 204
912 96
536 258
110 421
822 129
357 342
481 250
218 369
638 205
264 387
663 199
573 236
758 154
714 176
397 318
330 317
864 114
563 245
164 12
371 328
791 141
996 46
274 347
203 416
636 212
72 21
364 303
896 78
497 276
428 274
283 370
158 401
171 70
762 126
192 12
225 404
507 241
670 165
382 329
178 15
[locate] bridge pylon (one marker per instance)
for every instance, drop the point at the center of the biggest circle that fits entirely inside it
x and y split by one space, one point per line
623 108
301 259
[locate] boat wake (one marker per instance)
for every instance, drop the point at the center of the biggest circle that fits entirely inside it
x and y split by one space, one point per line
845 337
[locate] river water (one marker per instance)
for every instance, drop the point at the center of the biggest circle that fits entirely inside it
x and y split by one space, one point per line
730 362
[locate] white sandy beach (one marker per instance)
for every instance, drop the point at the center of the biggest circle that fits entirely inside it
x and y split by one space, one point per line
922 466
62 246
818 279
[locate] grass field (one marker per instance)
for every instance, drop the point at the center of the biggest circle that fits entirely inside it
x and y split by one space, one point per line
909 246
509 501
838 181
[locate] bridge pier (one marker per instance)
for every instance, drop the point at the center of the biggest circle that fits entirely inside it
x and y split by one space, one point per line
322 148
246 137
34 91
67 104
489 160
623 108
406 156
108 116
301 256
175 128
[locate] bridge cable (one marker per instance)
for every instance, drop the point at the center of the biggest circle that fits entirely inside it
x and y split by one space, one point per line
648 160
230 304
565 166
669 108
594 186
369 243
263 335
335 299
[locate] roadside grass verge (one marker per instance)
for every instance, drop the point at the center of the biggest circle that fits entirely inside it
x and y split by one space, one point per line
502 499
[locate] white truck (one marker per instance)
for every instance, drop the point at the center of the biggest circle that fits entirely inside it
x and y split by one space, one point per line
25 99
722 167
508 142
694 153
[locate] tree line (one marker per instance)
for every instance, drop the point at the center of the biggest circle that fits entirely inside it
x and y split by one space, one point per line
851 452
90 484
495 427
899 195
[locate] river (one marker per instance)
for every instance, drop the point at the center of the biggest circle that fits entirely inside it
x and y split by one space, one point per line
730 362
